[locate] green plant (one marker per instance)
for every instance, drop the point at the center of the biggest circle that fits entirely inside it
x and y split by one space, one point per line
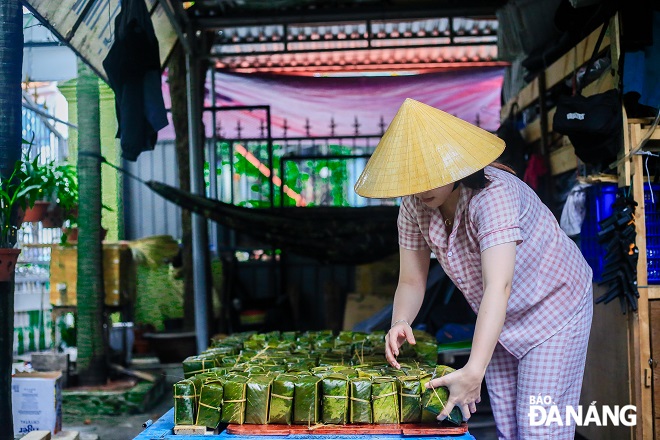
65 185
58 184
20 190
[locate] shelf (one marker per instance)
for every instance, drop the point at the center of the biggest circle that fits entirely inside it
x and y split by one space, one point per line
653 291
37 245
34 261
32 279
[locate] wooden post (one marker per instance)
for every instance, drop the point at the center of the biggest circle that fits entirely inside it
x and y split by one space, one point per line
639 331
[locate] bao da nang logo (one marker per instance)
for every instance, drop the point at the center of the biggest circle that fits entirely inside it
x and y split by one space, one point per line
544 412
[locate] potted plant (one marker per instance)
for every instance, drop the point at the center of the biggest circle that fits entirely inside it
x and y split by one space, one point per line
58 194
17 192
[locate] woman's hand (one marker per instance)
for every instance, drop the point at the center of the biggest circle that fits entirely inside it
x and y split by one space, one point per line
464 391
398 334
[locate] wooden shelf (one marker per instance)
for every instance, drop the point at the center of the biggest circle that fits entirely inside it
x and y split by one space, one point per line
653 291
560 69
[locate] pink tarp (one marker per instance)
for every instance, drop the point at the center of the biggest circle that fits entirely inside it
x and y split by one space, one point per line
472 94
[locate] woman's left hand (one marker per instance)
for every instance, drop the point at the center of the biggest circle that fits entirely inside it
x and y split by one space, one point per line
464 391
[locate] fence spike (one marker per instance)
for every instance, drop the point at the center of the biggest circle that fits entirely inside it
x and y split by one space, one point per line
239 128
332 126
356 125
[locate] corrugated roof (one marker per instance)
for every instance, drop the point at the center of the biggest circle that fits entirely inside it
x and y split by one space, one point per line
370 45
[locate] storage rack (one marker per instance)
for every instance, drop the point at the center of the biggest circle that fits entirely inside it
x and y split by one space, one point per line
614 337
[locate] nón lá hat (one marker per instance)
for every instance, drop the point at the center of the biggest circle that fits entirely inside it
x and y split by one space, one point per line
425 148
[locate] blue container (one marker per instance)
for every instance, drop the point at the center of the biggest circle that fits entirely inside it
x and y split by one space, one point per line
652 217
599 201
599 206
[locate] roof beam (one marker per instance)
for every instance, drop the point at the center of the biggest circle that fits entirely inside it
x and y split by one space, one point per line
285 17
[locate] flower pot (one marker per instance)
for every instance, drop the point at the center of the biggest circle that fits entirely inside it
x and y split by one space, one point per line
54 217
8 258
72 234
37 212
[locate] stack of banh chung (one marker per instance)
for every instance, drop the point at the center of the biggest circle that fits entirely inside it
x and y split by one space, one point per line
308 379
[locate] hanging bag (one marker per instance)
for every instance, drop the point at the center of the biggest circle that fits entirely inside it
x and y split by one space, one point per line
592 123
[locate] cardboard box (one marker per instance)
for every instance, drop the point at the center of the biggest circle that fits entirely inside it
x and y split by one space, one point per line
378 278
360 307
118 274
36 400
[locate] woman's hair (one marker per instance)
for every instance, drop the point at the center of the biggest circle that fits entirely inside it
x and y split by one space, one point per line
478 180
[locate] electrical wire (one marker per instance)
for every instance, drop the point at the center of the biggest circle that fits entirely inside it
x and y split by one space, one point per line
648 135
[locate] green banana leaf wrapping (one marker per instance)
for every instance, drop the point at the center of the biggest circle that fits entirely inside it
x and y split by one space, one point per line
434 401
410 399
210 405
443 370
229 360
197 364
258 399
385 400
330 358
233 406
281 399
321 370
218 371
255 369
335 399
393 372
223 350
186 396
360 400
421 371
360 351
306 400
370 373
277 369
348 372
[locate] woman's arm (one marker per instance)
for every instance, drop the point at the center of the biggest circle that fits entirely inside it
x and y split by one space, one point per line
413 271
465 384
497 270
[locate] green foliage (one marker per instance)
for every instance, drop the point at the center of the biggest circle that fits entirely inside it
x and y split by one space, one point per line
20 190
327 177
59 185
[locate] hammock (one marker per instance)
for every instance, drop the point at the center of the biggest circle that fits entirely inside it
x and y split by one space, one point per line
340 235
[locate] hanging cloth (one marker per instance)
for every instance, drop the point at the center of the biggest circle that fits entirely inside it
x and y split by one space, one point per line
574 210
134 74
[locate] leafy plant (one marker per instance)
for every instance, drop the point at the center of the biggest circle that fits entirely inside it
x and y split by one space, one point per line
20 190
58 183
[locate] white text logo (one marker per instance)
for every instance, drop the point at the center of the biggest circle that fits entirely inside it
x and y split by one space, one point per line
543 412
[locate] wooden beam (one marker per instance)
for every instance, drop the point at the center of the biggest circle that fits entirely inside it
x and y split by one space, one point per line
653 293
639 330
558 71
562 159
576 57
623 168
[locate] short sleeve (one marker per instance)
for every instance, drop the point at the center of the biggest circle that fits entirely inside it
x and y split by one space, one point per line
410 235
495 212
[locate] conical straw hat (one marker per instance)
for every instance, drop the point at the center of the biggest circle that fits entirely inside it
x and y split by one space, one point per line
425 148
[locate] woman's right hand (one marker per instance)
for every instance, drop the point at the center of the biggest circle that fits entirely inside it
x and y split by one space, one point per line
398 334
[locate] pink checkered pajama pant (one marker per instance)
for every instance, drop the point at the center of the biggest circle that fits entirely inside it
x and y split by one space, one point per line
554 368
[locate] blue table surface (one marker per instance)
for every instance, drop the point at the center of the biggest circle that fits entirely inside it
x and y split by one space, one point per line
163 429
